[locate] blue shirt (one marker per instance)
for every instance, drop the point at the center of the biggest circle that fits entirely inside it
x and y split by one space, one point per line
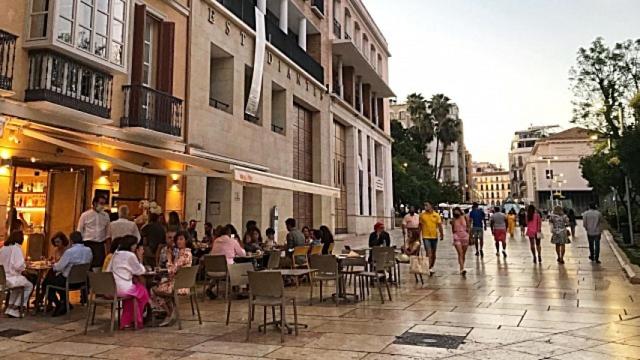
477 217
76 254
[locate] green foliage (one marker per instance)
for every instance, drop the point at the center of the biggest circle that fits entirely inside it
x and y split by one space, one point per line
628 149
602 172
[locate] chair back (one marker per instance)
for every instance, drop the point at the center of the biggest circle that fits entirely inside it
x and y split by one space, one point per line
238 273
185 278
266 284
316 250
274 260
78 274
354 261
3 278
379 257
300 251
326 265
215 263
35 245
389 259
102 283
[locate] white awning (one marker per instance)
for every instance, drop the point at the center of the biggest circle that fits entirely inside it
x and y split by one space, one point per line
250 176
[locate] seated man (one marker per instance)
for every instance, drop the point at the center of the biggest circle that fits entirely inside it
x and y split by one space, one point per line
76 254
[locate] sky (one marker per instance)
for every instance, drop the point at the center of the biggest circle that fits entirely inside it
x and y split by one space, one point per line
504 62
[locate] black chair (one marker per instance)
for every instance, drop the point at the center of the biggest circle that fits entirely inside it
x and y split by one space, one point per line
76 281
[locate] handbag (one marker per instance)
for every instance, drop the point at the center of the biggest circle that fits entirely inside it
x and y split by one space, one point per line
419 265
404 258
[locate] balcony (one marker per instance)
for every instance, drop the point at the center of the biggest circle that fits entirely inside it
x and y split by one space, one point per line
7 58
57 79
318 7
151 109
353 57
337 29
287 43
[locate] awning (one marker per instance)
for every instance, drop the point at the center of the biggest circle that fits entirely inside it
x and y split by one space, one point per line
251 176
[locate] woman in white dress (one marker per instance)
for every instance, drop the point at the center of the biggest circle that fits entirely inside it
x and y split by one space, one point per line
12 259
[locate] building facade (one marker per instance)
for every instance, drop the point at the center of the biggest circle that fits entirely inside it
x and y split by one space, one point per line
454 169
490 183
219 110
521 146
553 169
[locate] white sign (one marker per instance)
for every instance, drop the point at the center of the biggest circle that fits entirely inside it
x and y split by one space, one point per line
258 65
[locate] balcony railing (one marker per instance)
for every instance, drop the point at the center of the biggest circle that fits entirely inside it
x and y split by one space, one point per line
7 59
151 109
337 29
347 36
287 43
277 129
61 80
218 104
318 4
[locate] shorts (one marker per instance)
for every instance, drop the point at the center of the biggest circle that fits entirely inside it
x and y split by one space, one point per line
477 233
430 244
500 235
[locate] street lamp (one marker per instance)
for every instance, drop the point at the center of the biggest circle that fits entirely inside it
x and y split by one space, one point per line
549 175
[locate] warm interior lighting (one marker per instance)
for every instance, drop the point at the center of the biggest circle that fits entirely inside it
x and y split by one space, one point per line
4 170
175 177
32 159
104 167
5 154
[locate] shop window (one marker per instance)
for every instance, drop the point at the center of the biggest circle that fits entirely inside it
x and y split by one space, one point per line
39 17
278 109
221 80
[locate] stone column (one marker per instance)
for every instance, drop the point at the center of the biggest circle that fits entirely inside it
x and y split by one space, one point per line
302 34
376 118
262 5
360 95
340 77
284 16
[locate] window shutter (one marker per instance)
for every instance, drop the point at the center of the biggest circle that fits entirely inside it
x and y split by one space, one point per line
139 15
165 57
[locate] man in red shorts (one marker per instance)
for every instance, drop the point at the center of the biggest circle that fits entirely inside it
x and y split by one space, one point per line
499 230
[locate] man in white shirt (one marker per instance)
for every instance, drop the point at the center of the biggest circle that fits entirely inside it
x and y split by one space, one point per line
94 227
123 226
411 226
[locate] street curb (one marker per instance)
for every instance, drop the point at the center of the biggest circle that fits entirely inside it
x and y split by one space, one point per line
632 271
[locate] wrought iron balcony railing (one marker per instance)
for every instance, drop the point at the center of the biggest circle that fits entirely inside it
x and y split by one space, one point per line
64 81
7 59
151 109
318 4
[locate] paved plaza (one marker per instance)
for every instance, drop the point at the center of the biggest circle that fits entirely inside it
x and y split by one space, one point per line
503 309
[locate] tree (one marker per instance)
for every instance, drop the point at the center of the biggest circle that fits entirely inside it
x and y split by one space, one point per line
603 81
602 171
446 127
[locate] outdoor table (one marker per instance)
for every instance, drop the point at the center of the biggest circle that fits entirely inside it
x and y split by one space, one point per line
342 291
41 268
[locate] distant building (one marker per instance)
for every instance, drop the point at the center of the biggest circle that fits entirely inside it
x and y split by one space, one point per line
554 167
454 169
521 146
490 184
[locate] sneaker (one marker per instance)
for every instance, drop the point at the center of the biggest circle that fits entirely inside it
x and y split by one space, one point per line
504 253
590 257
477 253
463 272
598 262
14 313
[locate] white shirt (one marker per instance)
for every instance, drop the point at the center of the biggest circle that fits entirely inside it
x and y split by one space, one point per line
123 227
12 259
124 265
94 225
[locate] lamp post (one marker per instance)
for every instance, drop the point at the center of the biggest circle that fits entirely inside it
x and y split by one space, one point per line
549 175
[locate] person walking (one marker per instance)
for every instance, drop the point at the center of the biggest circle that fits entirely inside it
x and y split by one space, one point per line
594 224
430 228
460 226
522 222
123 226
511 223
411 226
499 229
559 232
478 227
534 232
571 214
94 227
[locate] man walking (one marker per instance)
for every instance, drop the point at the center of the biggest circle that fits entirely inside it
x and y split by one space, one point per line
411 227
478 227
94 227
499 229
593 223
430 228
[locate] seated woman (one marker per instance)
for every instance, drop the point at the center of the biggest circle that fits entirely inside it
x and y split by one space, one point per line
253 240
126 263
167 250
164 290
60 242
227 246
12 259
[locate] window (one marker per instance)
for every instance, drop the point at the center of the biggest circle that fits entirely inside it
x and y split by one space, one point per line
117 32
221 80
39 19
149 54
278 108
379 67
65 21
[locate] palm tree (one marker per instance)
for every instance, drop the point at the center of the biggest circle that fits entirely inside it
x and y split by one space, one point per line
422 130
440 109
448 133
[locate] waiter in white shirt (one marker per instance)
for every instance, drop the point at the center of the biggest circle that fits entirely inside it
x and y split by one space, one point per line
94 227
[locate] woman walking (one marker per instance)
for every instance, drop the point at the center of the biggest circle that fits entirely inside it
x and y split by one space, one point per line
534 232
559 233
511 223
522 221
572 222
460 228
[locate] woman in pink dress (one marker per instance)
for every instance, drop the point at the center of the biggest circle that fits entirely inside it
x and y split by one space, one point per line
126 264
164 291
534 232
460 229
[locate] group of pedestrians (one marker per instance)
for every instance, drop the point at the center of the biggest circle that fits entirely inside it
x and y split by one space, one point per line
468 229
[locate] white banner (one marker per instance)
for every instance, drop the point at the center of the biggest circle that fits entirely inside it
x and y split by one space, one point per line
258 65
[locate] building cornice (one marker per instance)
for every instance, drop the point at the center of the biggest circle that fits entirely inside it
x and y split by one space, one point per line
371 24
